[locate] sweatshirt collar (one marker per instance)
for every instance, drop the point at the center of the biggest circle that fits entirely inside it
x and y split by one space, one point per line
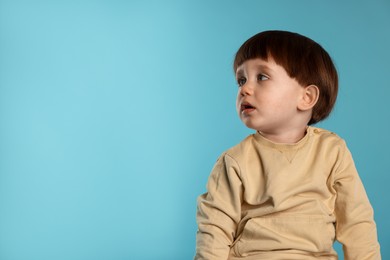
284 146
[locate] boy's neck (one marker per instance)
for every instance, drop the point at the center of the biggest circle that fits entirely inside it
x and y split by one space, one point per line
290 137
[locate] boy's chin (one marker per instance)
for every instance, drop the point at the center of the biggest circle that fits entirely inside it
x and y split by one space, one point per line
250 126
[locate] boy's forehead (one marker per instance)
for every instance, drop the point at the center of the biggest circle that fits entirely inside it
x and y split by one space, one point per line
257 63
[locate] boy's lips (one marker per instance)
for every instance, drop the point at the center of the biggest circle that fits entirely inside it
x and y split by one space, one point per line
246 107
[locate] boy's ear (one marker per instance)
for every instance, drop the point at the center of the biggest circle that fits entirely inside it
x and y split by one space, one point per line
309 97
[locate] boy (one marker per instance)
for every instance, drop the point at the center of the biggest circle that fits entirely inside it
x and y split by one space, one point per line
289 190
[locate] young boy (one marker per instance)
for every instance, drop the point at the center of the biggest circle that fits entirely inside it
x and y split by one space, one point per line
289 190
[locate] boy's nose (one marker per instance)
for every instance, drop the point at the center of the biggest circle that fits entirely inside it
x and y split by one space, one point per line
246 89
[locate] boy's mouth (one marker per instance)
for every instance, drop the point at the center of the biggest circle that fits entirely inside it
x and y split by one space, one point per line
247 107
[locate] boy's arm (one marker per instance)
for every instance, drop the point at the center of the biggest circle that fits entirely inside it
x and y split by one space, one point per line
355 226
219 211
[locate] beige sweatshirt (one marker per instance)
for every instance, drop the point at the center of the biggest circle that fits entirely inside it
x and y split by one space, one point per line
286 201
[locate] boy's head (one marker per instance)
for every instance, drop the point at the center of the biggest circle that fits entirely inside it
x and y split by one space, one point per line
302 58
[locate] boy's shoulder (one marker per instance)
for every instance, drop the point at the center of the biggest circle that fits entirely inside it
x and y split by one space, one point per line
324 135
243 147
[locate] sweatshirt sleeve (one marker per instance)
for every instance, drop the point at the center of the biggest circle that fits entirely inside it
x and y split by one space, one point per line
355 226
219 211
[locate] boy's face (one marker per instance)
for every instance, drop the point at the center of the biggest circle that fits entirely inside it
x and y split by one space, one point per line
268 98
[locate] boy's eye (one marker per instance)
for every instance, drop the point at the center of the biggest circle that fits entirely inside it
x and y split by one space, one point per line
262 77
241 81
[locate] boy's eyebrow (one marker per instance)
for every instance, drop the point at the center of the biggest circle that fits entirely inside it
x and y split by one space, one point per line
239 72
263 67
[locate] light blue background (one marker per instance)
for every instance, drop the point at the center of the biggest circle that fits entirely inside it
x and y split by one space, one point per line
112 114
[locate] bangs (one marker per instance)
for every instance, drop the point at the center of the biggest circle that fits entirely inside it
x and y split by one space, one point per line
285 48
251 49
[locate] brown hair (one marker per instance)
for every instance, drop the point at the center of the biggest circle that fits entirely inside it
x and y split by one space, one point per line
302 58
